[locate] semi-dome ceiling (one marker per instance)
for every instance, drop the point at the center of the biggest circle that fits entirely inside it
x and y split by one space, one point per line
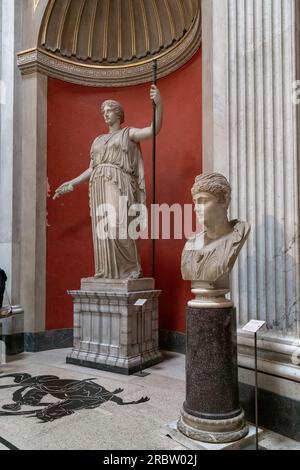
114 32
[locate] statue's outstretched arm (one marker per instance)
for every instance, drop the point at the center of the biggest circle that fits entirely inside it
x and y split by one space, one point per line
69 185
143 134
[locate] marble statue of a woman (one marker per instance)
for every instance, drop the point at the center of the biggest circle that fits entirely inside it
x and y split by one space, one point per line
116 169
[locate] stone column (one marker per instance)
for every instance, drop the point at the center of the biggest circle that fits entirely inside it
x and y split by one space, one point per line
10 148
10 165
33 177
250 135
34 197
211 412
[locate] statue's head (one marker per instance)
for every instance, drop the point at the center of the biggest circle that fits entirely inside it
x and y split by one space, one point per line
114 106
215 184
211 193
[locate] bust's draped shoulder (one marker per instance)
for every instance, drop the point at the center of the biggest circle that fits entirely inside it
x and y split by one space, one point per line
211 262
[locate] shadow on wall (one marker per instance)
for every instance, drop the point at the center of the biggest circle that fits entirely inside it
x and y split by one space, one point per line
268 278
277 413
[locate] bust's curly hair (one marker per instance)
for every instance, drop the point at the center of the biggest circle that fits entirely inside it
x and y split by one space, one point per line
215 184
116 106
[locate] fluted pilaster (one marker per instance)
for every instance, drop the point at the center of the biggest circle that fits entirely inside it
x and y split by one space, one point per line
255 122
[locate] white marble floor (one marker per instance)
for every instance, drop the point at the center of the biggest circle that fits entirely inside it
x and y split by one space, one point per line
106 426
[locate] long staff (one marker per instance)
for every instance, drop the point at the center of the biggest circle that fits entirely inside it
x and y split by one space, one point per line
153 172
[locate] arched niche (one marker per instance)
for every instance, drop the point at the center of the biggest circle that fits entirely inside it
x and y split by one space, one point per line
113 42
37 62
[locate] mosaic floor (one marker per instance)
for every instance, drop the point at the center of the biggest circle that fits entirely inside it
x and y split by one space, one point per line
48 404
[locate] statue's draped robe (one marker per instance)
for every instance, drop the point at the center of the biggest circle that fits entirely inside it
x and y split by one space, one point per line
118 170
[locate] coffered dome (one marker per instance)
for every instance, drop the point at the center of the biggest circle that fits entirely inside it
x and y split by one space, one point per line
115 31
114 42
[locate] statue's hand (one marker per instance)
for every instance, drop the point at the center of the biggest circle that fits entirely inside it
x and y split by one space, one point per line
63 189
155 94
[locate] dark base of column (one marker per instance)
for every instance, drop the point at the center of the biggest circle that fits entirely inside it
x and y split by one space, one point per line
211 412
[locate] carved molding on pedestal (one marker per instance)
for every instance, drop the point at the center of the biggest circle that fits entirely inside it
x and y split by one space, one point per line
110 331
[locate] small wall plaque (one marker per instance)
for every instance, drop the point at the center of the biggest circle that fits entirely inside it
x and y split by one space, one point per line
141 302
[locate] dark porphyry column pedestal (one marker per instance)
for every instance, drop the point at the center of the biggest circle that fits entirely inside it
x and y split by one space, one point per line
211 412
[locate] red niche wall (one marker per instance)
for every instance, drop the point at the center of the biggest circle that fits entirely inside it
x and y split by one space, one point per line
74 121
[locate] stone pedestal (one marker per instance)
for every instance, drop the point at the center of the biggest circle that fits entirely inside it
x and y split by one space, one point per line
211 412
110 332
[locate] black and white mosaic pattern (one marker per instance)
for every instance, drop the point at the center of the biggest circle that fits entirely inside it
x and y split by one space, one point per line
71 395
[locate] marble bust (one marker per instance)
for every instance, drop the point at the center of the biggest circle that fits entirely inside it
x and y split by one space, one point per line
209 256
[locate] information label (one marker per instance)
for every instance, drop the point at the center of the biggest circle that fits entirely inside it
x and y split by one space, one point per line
253 326
141 302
